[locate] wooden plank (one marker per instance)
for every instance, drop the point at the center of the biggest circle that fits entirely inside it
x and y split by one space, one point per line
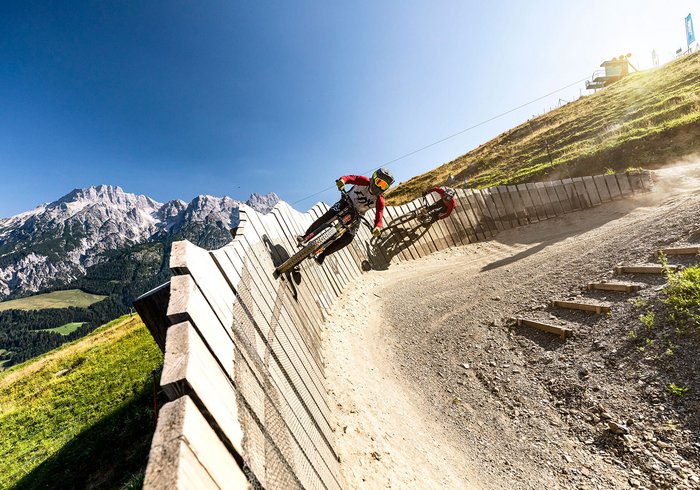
571 195
454 227
336 266
430 236
504 206
517 204
562 196
576 305
613 188
303 417
190 369
327 287
582 193
152 307
636 182
540 210
421 245
491 209
281 308
602 187
553 198
562 332
186 453
680 251
592 191
644 269
376 255
436 228
462 214
624 184
546 199
614 286
528 205
476 215
392 243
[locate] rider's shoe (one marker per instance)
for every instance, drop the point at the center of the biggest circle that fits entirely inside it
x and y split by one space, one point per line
319 259
300 240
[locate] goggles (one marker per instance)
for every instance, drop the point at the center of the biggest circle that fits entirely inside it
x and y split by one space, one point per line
381 183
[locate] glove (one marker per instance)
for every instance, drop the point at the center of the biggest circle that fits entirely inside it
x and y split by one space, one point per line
341 184
376 231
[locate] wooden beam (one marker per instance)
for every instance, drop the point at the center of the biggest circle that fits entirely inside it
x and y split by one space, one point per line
562 332
644 269
575 305
614 286
680 251
186 453
152 308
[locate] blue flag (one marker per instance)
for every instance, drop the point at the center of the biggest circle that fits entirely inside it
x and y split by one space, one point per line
689 29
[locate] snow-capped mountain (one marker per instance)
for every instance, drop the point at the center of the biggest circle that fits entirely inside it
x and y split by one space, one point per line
55 242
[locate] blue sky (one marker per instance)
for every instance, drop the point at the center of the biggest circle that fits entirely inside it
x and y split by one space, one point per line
173 99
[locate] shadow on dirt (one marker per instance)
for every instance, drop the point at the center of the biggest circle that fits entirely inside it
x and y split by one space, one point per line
545 233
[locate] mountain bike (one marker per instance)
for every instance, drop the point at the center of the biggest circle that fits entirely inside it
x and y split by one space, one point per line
423 214
319 239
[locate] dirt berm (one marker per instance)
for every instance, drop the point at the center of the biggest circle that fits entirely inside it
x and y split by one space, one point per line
433 387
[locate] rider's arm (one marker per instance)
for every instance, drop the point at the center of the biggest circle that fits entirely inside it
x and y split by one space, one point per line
355 179
380 212
434 189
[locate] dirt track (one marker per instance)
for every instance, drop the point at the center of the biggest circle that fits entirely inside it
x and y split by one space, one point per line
435 388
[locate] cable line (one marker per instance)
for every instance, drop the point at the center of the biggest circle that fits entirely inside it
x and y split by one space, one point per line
450 136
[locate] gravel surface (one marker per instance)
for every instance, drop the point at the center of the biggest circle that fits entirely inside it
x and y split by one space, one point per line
434 385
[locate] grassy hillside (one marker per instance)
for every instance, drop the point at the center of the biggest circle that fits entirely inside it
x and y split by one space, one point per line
80 416
56 299
645 120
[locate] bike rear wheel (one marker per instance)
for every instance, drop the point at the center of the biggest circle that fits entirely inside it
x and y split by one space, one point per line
302 254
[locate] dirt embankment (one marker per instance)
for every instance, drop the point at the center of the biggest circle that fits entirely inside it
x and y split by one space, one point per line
434 388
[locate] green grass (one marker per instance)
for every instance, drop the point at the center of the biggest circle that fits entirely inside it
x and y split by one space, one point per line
56 299
645 120
89 427
66 329
683 296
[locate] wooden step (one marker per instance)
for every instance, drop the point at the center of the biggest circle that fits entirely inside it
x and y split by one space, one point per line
614 286
575 305
644 269
563 332
680 251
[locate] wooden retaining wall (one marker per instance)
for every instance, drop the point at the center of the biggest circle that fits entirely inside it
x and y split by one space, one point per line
244 368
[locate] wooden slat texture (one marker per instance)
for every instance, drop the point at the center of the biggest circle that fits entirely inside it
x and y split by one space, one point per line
680 251
547 205
534 193
562 196
557 208
644 269
463 215
592 190
482 224
563 332
613 188
186 453
614 286
602 187
582 193
624 183
506 207
571 194
518 205
576 305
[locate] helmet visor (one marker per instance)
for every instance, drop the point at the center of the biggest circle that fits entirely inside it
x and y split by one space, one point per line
381 183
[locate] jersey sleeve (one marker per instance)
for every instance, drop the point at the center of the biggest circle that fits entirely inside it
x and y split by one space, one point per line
379 215
355 179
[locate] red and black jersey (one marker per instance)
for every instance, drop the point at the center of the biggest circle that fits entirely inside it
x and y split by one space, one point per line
363 199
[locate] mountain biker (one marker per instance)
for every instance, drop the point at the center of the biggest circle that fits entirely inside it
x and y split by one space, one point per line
366 193
442 208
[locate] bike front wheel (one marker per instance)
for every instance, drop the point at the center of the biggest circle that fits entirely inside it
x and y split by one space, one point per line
302 254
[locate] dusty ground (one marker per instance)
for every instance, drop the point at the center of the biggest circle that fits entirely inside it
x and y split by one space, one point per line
435 388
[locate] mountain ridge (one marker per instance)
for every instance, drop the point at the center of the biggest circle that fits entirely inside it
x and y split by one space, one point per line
62 238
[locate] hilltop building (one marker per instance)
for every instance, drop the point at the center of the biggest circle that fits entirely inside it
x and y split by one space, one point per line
613 70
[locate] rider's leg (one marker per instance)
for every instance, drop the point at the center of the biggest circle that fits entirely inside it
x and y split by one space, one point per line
340 243
326 218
